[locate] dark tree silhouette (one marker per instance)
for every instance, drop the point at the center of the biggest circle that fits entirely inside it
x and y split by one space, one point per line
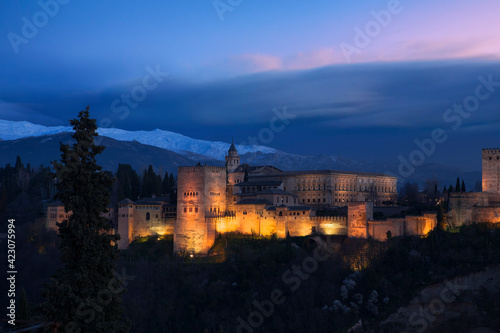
128 182
85 295
165 186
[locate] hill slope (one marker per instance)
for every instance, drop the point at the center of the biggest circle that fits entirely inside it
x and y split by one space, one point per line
42 150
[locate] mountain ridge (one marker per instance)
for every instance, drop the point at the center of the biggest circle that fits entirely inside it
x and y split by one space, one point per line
36 149
12 130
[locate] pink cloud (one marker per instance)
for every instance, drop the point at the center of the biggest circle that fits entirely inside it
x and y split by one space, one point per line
438 49
384 50
313 59
251 63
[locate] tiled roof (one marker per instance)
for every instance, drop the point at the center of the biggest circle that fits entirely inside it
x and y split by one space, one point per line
275 191
126 201
254 202
261 183
322 172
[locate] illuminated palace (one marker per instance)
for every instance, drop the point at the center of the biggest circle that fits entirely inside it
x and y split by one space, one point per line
264 200
260 200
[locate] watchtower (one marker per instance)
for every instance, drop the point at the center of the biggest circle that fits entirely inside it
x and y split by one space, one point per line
491 170
201 192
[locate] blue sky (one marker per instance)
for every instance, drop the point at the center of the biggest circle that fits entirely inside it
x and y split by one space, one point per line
367 98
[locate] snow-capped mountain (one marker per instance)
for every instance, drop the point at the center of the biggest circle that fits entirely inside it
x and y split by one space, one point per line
165 150
184 145
13 130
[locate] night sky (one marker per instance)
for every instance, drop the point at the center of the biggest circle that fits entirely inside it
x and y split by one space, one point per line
351 86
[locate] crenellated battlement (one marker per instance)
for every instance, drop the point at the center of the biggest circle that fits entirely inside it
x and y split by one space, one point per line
219 217
341 219
491 151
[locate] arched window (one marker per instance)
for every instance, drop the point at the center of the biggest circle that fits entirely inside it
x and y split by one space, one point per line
281 214
148 216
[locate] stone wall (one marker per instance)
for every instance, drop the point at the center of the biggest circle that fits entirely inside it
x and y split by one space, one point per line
461 205
406 226
485 214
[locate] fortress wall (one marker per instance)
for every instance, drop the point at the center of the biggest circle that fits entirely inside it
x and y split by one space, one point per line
165 227
249 223
281 226
420 225
267 226
142 226
335 226
378 229
485 214
225 223
461 204
407 226
301 225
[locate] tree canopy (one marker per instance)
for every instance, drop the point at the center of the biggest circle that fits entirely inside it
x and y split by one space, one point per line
85 294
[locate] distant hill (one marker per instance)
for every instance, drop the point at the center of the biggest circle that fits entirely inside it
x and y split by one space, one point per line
43 149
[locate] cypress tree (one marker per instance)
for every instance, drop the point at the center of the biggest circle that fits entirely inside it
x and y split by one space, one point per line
19 164
172 182
463 186
85 295
166 184
146 185
135 184
128 182
457 187
158 186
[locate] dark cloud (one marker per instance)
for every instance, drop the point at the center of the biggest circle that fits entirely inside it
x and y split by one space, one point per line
375 111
